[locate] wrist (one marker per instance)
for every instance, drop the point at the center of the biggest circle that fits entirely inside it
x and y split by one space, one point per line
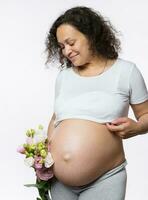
139 128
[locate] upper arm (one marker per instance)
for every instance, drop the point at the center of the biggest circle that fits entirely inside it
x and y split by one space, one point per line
140 109
137 87
53 116
58 84
138 93
57 89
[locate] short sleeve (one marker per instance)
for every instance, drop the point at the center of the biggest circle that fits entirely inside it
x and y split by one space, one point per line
58 83
138 90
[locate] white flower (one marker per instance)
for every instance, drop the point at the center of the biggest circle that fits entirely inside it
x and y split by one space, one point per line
48 160
39 136
29 161
29 140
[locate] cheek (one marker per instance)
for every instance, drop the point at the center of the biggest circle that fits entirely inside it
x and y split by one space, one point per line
86 53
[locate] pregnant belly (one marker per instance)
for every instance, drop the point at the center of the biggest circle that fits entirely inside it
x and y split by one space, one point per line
83 150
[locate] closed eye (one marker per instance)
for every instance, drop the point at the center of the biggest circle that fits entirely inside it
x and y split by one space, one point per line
61 46
71 44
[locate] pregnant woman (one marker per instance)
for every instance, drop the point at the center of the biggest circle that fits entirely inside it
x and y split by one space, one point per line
93 92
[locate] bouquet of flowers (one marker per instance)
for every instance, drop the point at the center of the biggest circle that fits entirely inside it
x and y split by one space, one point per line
37 155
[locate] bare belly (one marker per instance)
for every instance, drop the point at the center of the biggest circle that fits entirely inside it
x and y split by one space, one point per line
83 150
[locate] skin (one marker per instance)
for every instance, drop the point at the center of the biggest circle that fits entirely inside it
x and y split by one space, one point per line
75 47
105 141
126 127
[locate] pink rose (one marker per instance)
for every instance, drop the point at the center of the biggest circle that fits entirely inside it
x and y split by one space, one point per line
37 162
21 149
44 174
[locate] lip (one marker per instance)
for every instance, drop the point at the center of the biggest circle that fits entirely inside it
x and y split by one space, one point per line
71 58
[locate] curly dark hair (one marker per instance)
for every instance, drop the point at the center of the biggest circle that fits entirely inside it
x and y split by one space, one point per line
100 33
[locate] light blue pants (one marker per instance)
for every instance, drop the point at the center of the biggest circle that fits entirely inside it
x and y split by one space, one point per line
110 186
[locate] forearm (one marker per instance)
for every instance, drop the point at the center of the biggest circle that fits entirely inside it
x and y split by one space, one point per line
143 124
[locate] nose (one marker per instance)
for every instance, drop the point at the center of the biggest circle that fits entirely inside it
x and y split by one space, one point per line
67 51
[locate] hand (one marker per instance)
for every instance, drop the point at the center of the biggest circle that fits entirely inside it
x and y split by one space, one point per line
124 127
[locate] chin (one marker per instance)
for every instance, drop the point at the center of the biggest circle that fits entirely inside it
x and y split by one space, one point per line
78 64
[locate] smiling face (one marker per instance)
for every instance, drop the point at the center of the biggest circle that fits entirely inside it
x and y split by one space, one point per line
74 45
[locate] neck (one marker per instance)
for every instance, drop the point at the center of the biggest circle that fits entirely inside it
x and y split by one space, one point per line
95 64
96 68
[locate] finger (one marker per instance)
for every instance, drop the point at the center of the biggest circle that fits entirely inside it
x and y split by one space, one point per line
115 128
119 120
118 133
122 135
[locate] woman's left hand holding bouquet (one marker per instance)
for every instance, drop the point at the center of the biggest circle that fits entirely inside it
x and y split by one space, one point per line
38 156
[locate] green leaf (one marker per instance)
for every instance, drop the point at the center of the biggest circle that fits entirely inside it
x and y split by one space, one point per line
42 184
43 187
44 194
31 185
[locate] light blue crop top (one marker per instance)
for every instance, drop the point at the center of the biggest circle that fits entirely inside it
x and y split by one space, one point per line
100 98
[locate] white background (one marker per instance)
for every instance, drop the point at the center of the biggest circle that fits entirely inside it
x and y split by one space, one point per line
27 87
